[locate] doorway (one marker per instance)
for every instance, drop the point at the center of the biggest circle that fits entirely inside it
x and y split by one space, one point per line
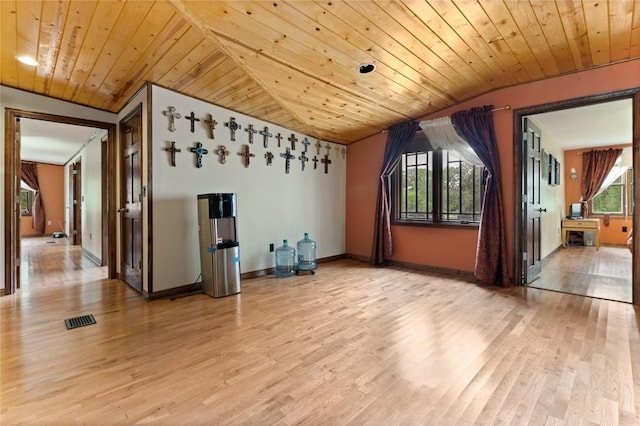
12 188
596 269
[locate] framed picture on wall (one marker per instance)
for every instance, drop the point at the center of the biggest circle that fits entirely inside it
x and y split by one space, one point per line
552 170
544 165
557 173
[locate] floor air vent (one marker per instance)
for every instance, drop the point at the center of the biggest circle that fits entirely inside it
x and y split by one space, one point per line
79 321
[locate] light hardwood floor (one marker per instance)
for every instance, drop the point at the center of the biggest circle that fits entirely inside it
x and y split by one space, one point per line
53 262
352 344
605 273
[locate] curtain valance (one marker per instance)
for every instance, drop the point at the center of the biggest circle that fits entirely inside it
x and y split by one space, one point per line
442 135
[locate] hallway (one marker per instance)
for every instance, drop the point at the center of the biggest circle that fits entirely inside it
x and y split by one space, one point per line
52 262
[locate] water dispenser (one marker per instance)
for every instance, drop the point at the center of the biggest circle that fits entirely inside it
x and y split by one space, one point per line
219 247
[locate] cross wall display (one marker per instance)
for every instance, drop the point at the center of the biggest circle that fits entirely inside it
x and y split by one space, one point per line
171 149
211 123
171 114
245 154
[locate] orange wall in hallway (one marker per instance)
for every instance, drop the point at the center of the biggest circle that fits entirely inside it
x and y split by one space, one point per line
611 234
455 248
51 179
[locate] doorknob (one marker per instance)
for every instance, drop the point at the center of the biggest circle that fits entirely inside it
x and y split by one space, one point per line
542 210
123 210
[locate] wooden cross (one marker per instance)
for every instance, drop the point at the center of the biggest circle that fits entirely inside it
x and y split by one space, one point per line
192 117
233 126
279 137
306 144
344 152
222 152
293 141
246 155
269 157
251 132
326 163
303 159
199 151
287 156
171 114
337 148
318 146
315 162
265 136
212 125
328 148
171 149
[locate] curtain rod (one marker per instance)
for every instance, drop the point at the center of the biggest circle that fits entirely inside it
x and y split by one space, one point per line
506 107
501 108
597 150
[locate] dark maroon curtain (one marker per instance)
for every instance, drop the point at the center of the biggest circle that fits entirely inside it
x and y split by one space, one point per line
596 165
398 138
30 176
476 127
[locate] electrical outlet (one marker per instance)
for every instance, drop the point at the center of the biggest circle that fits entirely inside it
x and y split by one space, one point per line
271 247
48 222
624 229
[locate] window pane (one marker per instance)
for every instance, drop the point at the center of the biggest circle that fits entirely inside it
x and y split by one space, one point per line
461 189
609 200
26 199
416 186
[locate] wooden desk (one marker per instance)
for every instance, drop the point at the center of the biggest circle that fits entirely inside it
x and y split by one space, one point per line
581 225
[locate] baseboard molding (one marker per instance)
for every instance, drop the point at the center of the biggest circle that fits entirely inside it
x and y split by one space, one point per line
466 275
547 258
92 257
189 289
185 290
269 271
358 257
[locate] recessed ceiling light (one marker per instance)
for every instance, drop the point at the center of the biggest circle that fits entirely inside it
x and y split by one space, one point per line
27 60
366 68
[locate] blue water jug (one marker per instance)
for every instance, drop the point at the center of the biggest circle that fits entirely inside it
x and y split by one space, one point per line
306 254
285 261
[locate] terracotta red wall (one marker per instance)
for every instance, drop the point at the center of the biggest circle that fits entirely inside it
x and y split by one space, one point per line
455 248
51 179
611 234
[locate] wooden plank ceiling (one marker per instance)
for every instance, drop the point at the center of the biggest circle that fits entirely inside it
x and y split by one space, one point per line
294 63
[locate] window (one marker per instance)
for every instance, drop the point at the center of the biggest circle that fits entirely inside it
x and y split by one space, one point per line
26 201
614 200
437 187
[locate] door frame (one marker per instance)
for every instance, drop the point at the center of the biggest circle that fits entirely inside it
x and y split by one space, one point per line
75 225
518 115
12 182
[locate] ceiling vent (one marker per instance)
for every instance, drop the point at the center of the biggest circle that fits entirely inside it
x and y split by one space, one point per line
366 68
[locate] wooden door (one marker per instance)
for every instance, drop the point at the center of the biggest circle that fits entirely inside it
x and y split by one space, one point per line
75 195
131 200
532 208
17 212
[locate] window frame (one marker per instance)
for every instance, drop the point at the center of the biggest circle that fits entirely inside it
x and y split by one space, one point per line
627 196
30 194
437 191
